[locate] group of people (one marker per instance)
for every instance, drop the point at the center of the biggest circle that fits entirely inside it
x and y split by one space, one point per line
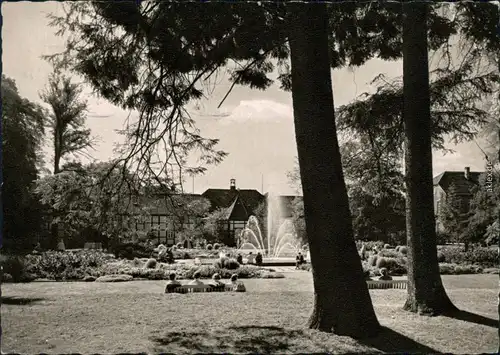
216 283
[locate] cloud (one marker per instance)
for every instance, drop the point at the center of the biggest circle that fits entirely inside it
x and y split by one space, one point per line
260 111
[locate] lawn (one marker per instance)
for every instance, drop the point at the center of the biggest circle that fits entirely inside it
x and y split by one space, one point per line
136 316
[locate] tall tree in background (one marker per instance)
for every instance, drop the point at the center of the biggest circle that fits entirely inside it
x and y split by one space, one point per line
67 119
426 293
342 303
22 133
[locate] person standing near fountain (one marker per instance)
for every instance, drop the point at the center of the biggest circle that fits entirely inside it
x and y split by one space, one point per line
299 260
258 259
239 259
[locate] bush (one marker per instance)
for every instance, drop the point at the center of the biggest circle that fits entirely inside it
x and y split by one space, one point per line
397 248
132 250
231 264
239 259
209 247
7 277
66 265
372 260
227 263
389 253
179 245
381 262
395 266
455 269
440 256
387 246
137 263
150 264
373 244
216 246
403 250
114 278
15 267
271 275
483 256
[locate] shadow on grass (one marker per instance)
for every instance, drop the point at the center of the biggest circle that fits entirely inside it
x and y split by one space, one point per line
389 341
275 340
473 318
20 301
245 339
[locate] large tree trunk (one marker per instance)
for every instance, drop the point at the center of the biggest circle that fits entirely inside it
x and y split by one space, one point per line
342 303
426 294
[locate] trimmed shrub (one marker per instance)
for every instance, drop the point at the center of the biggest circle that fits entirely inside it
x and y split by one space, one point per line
132 250
387 246
231 264
455 269
209 247
150 264
372 244
227 263
483 256
137 263
372 260
179 245
15 267
271 275
216 246
389 253
397 248
114 278
491 270
403 250
394 266
381 262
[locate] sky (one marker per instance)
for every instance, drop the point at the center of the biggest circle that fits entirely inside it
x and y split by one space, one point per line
254 127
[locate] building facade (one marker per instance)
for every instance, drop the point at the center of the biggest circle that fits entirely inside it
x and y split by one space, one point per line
458 185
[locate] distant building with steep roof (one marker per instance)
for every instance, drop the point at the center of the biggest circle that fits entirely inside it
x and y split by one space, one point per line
459 183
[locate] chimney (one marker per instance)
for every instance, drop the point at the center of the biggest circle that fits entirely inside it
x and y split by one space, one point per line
232 184
467 172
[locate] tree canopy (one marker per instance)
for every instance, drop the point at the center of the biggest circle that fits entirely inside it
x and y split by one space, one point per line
154 57
67 119
22 139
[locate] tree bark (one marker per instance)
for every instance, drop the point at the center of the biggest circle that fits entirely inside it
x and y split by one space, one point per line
426 293
342 303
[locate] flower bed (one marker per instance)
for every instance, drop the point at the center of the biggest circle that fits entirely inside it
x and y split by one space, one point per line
64 266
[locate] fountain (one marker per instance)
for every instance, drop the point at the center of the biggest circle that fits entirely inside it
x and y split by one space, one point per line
281 239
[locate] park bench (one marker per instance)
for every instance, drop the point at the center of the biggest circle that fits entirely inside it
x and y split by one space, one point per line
382 284
202 288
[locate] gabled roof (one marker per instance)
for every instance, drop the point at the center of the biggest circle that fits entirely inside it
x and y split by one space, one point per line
224 198
446 178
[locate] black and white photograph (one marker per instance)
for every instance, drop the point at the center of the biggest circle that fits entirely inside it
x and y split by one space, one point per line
250 177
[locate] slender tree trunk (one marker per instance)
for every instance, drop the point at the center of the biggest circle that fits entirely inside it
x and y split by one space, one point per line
342 303
426 294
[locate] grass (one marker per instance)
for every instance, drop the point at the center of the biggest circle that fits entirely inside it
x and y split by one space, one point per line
137 317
